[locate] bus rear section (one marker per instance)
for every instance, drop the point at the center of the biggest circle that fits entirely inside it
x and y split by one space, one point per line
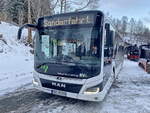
69 55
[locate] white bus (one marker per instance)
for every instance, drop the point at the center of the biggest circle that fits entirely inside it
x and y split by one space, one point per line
76 55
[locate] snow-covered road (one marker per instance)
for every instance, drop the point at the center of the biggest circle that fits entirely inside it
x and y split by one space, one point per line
15 72
130 94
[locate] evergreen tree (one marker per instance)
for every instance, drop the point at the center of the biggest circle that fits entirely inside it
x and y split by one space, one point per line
139 27
132 26
2 10
124 22
2 3
117 24
15 8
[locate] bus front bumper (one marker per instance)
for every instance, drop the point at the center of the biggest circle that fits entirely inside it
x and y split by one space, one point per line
93 97
88 96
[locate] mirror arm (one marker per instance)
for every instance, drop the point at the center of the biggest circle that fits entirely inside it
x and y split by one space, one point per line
25 26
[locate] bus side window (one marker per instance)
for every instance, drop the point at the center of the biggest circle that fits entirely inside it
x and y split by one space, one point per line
111 40
109 37
107 29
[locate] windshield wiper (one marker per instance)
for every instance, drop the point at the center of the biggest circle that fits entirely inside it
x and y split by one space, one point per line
45 63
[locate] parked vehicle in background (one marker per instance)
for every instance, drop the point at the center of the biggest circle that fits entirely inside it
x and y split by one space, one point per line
133 53
144 61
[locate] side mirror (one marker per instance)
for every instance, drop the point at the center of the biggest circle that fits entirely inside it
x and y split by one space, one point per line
107 26
111 38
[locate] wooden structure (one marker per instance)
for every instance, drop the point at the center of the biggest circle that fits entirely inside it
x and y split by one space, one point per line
145 64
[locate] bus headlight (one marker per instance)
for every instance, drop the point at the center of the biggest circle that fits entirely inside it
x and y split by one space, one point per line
35 81
93 90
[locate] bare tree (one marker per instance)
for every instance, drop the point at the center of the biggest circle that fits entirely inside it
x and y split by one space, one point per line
41 8
132 26
124 22
29 21
63 6
117 24
92 4
74 5
21 16
139 27
2 5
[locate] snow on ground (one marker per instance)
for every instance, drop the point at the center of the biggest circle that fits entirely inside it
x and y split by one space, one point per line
16 64
129 94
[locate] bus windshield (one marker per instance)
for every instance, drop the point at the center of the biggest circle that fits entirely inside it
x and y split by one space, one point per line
69 47
77 45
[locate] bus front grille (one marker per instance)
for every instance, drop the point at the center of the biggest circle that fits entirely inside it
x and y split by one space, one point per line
68 87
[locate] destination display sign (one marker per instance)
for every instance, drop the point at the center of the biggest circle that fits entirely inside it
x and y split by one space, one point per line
68 20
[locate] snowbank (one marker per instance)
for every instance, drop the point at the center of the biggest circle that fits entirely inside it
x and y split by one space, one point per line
16 62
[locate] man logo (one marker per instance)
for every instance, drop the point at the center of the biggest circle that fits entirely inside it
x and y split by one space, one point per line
61 85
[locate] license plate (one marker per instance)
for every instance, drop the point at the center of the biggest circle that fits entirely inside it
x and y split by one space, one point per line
57 92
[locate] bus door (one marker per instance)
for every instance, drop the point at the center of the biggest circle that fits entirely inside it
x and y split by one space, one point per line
108 51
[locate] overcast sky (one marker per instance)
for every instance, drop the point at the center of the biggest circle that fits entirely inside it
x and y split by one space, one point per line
139 9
